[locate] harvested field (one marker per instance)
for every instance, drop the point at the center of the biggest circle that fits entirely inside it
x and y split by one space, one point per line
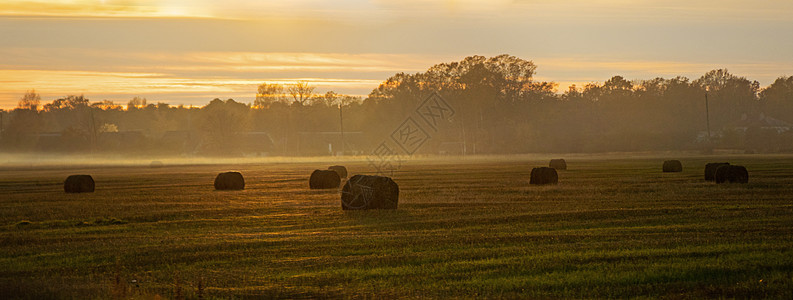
613 228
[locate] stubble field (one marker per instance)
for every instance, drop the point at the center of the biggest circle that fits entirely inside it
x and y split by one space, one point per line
612 228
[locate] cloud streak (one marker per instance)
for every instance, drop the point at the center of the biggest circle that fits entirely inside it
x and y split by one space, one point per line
178 77
105 8
121 87
379 10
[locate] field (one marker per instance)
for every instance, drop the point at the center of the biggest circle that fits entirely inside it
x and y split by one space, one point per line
613 228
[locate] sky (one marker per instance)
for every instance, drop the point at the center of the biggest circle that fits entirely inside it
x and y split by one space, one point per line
192 51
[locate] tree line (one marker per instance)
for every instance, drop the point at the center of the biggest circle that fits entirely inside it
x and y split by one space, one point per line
499 109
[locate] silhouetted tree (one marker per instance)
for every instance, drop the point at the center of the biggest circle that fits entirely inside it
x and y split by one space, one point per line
136 103
777 99
301 92
267 94
71 102
106 105
25 124
30 100
222 122
729 96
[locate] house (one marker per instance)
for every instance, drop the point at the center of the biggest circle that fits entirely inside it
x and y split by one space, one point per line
256 143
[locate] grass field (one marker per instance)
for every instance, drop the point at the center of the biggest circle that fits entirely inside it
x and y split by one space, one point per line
611 228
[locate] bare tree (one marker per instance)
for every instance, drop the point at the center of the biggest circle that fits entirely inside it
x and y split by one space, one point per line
301 92
30 101
267 94
136 102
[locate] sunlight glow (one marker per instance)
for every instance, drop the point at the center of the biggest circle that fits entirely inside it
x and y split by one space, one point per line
119 48
103 8
383 9
122 86
192 73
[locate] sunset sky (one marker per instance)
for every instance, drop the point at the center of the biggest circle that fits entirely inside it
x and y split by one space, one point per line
191 51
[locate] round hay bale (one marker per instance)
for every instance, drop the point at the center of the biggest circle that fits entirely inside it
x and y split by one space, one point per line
156 164
558 164
341 170
543 175
710 170
731 174
229 181
672 166
79 184
324 179
369 192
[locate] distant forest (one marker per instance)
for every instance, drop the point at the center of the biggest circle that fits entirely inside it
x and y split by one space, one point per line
498 109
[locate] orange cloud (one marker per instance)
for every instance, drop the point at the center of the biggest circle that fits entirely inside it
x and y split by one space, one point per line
123 74
124 85
94 8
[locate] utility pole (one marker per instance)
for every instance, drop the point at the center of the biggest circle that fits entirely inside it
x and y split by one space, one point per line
707 115
92 127
188 146
462 128
341 126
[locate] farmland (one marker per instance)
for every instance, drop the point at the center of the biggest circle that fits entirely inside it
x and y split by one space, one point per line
614 227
